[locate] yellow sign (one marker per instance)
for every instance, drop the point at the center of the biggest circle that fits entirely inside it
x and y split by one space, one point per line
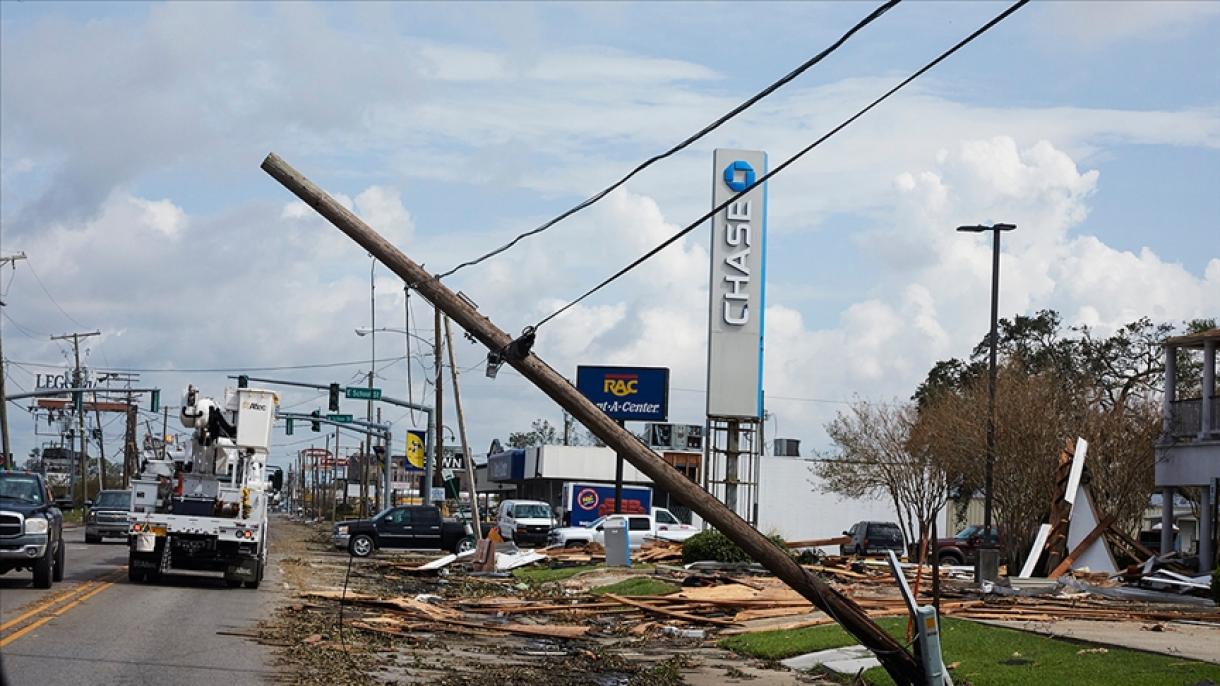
415 450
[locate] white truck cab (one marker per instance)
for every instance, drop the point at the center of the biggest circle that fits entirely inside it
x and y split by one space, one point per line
525 522
660 524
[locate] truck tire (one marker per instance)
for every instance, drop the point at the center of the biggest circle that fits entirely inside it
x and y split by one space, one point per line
43 569
92 539
58 574
464 545
950 559
361 545
233 583
134 575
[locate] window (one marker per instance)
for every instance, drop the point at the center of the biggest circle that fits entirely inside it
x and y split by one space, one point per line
399 516
664 517
638 524
426 515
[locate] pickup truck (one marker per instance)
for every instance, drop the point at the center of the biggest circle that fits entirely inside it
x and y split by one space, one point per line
412 527
963 548
107 516
31 528
660 524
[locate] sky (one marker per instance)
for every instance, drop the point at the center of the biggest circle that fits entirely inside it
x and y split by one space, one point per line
131 136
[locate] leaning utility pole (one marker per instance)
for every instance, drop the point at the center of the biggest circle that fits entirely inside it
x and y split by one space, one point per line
79 397
466 456
900 664
101 446
6 458
438 450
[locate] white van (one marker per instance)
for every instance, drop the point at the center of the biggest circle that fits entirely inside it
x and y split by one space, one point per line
525 522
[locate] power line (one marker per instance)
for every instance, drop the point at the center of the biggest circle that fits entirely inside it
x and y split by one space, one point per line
686 143
30 264
784 165
320 365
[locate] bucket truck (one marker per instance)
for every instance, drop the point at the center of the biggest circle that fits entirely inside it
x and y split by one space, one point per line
203 511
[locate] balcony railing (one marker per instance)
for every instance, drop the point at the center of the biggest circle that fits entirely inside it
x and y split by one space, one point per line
1186 417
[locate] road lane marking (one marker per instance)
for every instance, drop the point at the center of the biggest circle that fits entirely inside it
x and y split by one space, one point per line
46 603
27 629
86 590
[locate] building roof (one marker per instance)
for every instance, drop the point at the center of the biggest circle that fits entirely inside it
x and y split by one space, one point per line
1194 340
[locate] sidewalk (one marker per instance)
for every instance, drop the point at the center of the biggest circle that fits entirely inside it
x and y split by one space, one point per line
1194 640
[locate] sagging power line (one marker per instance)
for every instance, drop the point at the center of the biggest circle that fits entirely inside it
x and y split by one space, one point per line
685 143
529 331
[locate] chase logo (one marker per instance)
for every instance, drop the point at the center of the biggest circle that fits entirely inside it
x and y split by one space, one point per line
620 385
731 176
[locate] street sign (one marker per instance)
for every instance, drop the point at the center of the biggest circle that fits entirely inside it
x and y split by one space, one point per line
359 393
340 418
626 393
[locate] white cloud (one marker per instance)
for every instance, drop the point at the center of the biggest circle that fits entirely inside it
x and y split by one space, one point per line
1095 24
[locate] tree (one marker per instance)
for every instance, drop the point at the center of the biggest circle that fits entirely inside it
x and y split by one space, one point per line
1052 387
880 454
541 433
33 463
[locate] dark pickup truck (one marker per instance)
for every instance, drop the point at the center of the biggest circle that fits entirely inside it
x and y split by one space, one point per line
963 548
418 527
31 528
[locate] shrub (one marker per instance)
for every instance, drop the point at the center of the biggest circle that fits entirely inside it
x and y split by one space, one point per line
715 546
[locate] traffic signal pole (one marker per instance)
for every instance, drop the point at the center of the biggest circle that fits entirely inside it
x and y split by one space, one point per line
900 664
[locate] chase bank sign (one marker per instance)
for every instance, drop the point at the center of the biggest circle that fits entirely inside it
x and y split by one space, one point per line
737 288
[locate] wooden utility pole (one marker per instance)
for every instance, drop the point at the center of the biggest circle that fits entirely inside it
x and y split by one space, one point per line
78 381
466 456
438 449
130 461
900 664
101 446
7 460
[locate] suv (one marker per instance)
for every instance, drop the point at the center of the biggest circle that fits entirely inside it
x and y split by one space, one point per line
873 538
525 522
963 548
107 516
31 528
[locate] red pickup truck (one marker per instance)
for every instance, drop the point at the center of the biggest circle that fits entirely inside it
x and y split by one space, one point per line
963 548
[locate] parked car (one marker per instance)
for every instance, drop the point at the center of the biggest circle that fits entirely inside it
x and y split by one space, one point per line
963 548
31 528
525 522
661 524
418 527
107 516
873 538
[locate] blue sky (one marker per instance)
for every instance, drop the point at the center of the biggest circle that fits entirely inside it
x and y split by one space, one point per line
131 134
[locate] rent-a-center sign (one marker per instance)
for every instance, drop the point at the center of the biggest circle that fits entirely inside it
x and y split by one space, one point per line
627 393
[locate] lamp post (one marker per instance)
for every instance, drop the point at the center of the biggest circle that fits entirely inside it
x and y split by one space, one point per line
987 563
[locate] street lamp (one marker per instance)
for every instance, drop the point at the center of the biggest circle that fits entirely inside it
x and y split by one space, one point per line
390 329
986 567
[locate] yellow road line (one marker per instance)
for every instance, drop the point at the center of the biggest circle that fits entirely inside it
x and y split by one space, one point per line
56 599
27 629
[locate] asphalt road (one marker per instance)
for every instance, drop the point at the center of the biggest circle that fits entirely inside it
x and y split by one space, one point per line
96 627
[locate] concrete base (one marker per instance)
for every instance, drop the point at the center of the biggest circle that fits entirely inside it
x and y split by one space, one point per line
987 567
847 660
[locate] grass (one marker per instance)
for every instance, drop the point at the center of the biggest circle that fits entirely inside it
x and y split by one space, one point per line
637 585
542 575
994 656
74 516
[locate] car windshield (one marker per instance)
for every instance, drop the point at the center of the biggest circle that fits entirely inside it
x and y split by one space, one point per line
531 511
19 487
968 531
118 500
595 523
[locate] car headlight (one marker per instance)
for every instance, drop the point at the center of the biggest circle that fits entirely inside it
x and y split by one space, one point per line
341 531
37 525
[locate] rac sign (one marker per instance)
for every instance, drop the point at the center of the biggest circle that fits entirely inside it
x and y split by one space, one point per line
626 393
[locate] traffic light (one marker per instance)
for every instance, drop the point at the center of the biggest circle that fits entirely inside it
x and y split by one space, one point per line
288 427
154 401
334 397
314 424
243 381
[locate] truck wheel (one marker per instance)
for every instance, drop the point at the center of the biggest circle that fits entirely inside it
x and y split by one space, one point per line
950 559
43 569
233 583
134 574
58 574
361 546
257 578
464 546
